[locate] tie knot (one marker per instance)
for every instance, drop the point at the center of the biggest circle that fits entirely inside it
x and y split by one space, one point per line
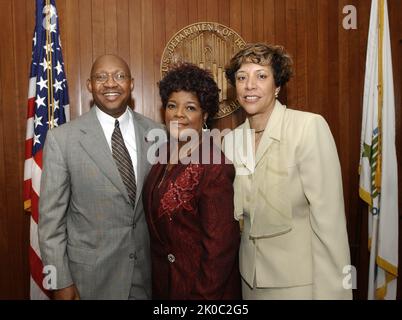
117 124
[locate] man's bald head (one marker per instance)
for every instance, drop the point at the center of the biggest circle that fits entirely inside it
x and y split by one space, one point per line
110 59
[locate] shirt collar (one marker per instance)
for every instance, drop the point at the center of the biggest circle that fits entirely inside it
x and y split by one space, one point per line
109 120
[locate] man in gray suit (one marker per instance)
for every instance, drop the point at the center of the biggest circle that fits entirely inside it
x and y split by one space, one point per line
92 228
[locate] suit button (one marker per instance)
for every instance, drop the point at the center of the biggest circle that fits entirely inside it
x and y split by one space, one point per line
133 256
171 258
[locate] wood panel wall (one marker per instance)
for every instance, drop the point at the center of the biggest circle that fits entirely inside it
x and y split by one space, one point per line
329 73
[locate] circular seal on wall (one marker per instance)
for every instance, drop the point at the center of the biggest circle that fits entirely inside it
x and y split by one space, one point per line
209 45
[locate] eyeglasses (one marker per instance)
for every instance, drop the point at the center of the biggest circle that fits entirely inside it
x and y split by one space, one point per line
103 77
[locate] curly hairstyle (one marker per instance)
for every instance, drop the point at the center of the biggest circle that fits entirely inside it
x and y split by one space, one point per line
188 77
262 54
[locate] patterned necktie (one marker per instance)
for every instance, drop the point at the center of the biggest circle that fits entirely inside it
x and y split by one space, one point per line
123 162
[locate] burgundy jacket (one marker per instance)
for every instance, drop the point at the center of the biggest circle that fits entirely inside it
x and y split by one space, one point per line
194 236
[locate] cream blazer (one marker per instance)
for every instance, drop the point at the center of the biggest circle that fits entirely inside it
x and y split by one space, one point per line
295 233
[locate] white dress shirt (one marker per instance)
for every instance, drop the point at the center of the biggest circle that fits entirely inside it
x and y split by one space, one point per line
126 128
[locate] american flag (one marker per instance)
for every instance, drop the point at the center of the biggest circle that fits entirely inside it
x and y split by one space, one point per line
48 107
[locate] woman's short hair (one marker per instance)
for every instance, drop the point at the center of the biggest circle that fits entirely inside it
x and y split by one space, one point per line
188 77
262 54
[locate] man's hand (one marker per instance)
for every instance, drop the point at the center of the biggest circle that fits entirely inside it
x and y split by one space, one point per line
69 293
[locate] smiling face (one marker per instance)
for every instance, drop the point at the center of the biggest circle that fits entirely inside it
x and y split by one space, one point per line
255 87
111 84
183 111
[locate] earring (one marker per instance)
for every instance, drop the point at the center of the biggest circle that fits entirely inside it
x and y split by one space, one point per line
204 126
277 93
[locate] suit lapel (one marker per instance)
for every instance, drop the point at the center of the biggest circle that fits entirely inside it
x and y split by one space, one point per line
273 180
94 143
244 155
142 144
272 131
152 184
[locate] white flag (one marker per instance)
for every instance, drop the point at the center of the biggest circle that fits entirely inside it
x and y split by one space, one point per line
378 166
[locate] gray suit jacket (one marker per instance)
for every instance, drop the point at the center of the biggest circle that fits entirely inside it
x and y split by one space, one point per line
87 228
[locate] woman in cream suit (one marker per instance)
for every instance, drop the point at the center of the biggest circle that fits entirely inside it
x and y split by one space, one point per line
288 188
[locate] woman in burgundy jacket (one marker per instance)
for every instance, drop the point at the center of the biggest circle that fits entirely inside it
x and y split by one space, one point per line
189 207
